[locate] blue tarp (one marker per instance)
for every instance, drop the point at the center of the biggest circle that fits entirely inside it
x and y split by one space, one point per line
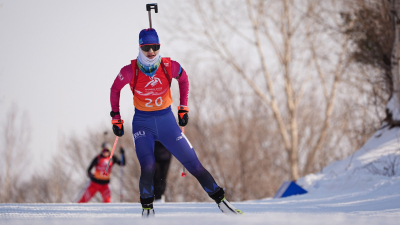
289 188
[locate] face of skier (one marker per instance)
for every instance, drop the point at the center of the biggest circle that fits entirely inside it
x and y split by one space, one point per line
105 153
151 53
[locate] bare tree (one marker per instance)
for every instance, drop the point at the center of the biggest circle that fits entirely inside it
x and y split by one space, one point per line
15 152
290 53
372 25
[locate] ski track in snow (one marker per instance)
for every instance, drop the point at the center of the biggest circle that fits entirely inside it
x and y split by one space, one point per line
350 208
345 192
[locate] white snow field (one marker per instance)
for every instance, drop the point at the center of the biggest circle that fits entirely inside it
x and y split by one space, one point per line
362 189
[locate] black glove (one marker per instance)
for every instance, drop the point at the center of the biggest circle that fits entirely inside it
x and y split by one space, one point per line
90 175
122 150
118 127
183 117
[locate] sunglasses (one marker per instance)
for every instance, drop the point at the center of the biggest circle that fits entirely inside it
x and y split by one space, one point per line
146 48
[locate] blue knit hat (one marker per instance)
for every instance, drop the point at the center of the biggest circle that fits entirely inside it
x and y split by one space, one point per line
148 36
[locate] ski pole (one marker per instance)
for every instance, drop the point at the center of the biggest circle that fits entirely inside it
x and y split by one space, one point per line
81 192
183 170
121 196
112 152
149 7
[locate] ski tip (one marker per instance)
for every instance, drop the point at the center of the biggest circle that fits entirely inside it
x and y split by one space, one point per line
238 211
183 174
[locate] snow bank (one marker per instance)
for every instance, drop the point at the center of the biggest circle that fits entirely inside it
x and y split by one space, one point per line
374 169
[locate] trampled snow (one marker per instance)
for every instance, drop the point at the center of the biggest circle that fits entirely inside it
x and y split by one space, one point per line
362 189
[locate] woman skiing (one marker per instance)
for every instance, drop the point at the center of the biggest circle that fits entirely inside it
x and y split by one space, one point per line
99 181
150 78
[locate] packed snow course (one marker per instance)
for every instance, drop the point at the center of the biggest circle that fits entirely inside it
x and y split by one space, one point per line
362 189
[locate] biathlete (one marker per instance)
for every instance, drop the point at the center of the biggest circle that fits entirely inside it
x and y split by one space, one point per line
149 77
99 181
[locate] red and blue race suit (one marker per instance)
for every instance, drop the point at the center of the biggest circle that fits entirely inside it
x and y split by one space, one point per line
154 121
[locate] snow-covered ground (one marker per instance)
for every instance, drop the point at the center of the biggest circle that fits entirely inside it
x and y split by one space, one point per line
362 189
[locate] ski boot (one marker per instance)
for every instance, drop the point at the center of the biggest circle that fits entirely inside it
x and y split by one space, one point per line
223 204
147 206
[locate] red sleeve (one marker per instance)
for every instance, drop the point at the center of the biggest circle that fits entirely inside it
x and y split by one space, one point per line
180 74
124 77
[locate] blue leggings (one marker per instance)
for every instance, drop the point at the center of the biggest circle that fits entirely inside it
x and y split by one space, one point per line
161 126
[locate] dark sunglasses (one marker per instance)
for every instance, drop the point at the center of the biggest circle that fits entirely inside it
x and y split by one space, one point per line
146 48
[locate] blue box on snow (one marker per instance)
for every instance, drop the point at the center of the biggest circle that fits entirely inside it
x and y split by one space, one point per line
289 188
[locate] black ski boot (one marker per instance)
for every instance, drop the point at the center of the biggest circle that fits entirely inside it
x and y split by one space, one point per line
147 206
223 204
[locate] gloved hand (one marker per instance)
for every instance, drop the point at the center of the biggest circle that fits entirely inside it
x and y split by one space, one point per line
183 117
118 127
90 175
